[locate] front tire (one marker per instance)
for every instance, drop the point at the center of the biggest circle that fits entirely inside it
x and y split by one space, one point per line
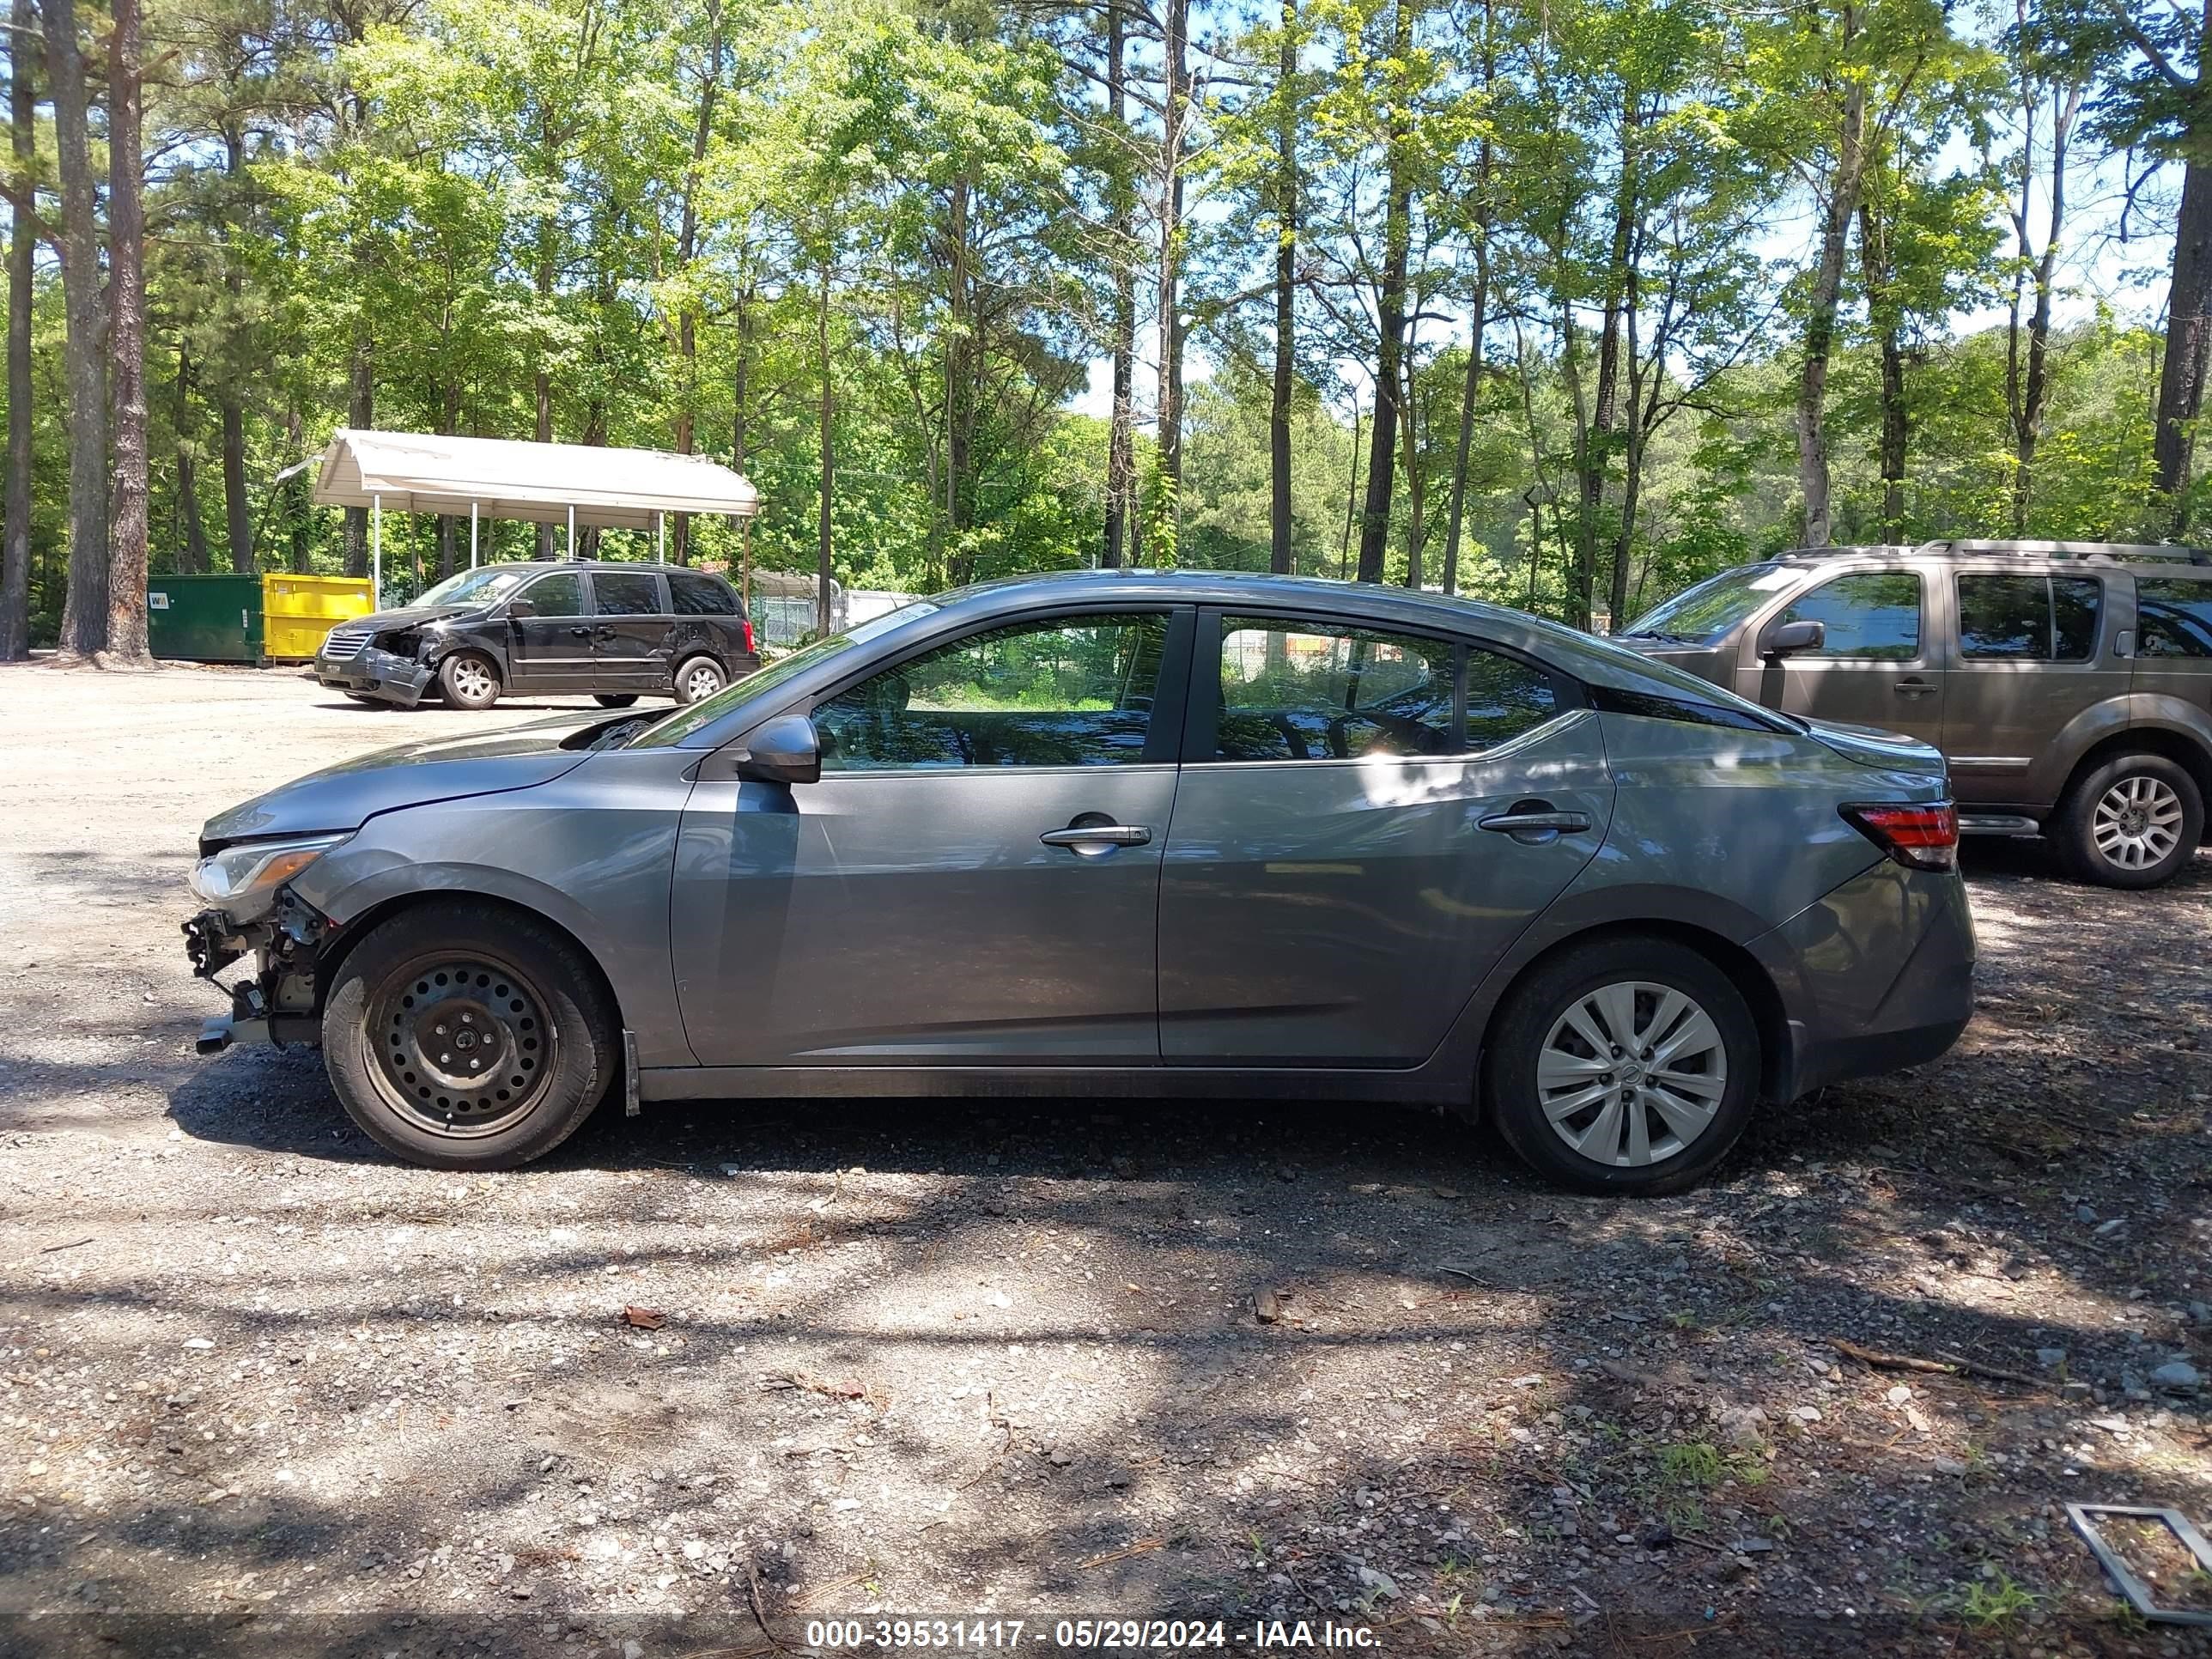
699 678
614 699
1628 1065
469 679
468 1037
2134 821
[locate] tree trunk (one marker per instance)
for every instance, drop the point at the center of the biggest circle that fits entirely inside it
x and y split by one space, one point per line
237 510
361 414
126 253
1477 319
2188 342
1175 104
959 355
15 550
1351 502
1121 438
542 381
296 491
1877 269
1594 435
192 557
2032 403
823 606
1416 479
84 609
1827 284
1390 314
687 251
1287 276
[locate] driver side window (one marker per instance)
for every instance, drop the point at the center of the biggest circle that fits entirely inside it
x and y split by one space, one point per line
1076 691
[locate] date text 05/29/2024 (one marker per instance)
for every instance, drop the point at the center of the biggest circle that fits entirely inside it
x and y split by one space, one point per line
1166 1634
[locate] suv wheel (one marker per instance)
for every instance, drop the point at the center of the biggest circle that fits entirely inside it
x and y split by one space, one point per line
2134 821
699 678
1628 1065
465 1037
469 680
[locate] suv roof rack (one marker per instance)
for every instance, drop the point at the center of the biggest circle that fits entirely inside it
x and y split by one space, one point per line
2123 552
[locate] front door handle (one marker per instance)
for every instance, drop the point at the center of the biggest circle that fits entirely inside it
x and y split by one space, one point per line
1524 824
581 633
1099 835
1912 688
603 633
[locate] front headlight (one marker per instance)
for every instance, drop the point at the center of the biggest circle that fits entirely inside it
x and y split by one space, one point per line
257 867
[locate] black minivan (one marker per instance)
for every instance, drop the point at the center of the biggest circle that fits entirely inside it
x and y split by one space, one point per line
567 628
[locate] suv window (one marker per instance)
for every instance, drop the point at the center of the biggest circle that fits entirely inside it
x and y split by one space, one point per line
622 593
2029 618
1077 691
1312 691
1872 614
2173 617
558 595
695 595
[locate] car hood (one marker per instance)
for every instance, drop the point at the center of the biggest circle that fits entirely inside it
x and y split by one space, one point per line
347 795
1869 745
411 616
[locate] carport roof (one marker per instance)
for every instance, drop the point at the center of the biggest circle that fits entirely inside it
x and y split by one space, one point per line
503 478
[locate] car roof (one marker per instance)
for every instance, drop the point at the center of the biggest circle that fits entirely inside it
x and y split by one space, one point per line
597 564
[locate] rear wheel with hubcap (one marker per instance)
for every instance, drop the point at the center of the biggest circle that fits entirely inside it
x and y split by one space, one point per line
699 678
1628 1065
2134 821
468 1037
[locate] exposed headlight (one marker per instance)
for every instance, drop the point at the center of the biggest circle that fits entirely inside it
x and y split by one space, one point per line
257 867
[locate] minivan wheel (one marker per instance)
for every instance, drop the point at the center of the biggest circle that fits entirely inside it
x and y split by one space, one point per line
1628 1065
2134 821
466 1037
698 679
469 680
614 699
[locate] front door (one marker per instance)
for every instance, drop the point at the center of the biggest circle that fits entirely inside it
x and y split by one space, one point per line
550 649
1366 821
975 879
1881 664
631 631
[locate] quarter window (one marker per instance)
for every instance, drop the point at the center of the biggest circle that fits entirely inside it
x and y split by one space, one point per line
623 593
1504 698
694 595
558 595
1309 691
1872 614
2029 618
1072 692
2174 617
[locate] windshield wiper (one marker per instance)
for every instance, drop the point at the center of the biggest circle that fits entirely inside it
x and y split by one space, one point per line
1660 634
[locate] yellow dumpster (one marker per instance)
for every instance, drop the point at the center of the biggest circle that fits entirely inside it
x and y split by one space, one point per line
298 611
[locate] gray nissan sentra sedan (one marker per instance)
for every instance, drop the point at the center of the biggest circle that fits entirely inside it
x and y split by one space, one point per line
1119 833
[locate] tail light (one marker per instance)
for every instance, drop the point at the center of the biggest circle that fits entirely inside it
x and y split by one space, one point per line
745 633
1923 834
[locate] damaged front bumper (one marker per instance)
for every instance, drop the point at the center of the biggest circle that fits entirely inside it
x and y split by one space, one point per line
385 674
275 1005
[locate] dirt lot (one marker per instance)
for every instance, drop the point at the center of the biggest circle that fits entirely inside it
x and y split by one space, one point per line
263 1391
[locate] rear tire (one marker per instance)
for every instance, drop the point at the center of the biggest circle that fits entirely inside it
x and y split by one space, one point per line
1638 1048
698 678
469 1038
469 679
614 699
2134 821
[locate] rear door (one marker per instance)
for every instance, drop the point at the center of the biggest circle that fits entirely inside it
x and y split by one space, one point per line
550 649
631 631
1342 868
1881 664
2034 648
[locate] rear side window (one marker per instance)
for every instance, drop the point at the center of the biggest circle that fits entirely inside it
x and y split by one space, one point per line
1872 614
1504 698
694 595
2173 617
620 593
1295 691
2029 618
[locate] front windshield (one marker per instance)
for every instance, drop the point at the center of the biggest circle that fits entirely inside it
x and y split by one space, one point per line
684 721
1700 614
485 586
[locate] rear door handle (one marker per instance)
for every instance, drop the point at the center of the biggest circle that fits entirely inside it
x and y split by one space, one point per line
1524 824
1098 835
581 633
1913 688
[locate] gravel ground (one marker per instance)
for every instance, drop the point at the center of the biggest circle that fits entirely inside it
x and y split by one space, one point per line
263 1391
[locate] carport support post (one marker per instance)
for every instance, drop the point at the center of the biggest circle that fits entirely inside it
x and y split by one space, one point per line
572 530
376 551
660 536
472 535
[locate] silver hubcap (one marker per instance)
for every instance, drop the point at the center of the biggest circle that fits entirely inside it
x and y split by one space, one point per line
1631 1073
702 683
471 678
2138 823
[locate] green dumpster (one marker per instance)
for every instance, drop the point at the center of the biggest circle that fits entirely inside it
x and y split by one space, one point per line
205 618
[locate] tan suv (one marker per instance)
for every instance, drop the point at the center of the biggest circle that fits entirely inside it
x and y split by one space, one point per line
2069 683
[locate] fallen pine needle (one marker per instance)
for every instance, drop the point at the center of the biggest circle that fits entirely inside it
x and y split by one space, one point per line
1952 1366
1142 1546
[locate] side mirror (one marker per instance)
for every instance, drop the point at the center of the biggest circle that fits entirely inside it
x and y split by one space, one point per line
1790 638
787 750
523 608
